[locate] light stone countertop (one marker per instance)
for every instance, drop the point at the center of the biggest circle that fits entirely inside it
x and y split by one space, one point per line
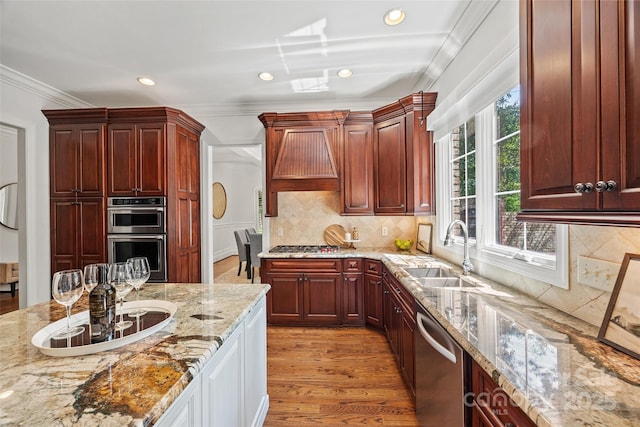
550 363
125 386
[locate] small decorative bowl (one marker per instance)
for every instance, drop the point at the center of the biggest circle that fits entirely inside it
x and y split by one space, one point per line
403 245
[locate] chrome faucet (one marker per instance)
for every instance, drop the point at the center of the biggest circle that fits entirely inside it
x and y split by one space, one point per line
466 263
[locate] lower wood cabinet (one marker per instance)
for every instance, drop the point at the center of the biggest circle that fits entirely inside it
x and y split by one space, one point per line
399 323
373 293
231 389
491 407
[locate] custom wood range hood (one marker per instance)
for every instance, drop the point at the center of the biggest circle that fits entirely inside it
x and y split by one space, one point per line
348 151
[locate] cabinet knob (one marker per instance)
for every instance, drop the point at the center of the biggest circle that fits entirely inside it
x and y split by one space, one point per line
509 425
583 188
386 291
602 186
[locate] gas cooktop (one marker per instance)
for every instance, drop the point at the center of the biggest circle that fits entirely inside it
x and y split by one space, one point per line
305 249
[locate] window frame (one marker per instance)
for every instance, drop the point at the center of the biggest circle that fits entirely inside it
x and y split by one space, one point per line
546 268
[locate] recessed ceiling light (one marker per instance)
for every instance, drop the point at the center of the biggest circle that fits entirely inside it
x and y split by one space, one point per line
265 76
394 16
344 73
146 81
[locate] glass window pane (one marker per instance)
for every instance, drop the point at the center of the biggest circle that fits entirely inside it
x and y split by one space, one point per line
508 113
457 141
471 217
508 164
541 237
471 135
459 177
509 232
471 175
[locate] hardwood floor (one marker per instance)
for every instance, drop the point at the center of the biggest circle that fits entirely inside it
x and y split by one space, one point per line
8 303
334 377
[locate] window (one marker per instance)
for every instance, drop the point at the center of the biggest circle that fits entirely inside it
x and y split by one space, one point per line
482 188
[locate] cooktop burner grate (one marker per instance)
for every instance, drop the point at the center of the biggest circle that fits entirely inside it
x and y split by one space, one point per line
305 249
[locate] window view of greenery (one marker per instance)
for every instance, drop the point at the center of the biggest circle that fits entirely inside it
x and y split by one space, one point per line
535 237
463 200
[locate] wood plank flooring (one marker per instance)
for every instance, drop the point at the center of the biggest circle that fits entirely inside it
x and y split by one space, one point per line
334 377
8 303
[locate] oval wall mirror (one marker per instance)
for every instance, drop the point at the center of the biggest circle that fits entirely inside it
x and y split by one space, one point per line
9 206
219 200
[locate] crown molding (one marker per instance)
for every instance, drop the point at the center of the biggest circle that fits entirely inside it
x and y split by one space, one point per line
35 87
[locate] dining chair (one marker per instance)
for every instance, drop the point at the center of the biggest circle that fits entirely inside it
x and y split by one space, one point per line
241 241
255 247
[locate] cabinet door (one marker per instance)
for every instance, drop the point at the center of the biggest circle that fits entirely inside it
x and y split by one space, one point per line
620 88
322 298
357 192
150 163
559 113
186 410
64 242
256 400
284 300
373 300
353 299
390 166
407 349
91 231
77 160
222 386
121 160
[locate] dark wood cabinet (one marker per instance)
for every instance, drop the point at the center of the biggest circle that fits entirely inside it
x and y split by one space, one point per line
77 232
373 291
403 156
357 187
491 407
303 292
77 159
580 91
399 325
124 152
136 159
353 312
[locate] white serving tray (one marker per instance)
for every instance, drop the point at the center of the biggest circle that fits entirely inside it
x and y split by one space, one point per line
42 338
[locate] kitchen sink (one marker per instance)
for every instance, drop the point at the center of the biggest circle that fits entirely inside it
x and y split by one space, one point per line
444 282
428 272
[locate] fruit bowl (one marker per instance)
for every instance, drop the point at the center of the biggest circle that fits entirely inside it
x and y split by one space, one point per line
403 245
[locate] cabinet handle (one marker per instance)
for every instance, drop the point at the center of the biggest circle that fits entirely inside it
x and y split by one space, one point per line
602 186
509 425
583 188
385 291
380 283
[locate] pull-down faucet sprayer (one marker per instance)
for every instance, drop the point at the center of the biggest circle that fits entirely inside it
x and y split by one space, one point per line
466 263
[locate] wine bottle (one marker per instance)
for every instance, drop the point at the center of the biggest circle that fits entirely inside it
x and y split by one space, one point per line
102 309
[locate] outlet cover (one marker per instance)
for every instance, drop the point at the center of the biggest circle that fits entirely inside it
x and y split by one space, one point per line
385 231
597 273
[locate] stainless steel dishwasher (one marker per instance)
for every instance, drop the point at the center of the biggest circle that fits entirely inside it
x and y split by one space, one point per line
439 374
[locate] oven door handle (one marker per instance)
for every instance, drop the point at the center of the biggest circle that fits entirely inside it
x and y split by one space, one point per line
128 209
136 236
432 341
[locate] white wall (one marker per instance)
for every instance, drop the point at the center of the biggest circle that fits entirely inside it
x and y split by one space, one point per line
8 174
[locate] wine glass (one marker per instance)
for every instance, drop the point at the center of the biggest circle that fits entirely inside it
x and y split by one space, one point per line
67 287
141 273
121 278
95 274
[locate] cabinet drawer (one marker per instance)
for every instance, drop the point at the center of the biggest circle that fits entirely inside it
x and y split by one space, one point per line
352 265
303 265
494 403
403 295
372 267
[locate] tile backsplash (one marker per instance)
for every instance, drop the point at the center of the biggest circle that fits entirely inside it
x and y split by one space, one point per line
303 217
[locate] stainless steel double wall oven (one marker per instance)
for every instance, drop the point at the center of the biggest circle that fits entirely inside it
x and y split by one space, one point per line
137 226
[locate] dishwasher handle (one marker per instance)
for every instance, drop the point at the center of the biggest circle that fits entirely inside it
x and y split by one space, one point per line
432 341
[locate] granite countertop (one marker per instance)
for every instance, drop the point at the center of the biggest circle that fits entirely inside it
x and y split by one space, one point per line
550 363
129 385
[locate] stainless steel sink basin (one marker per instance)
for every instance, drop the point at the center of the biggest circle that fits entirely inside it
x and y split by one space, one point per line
444 282
426 272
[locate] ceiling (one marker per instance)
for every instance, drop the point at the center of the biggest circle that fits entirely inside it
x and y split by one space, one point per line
205 56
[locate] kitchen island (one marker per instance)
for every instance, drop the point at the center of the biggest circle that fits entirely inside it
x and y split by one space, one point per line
548 363
137 384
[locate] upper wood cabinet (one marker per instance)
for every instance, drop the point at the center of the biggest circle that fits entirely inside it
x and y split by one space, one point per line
303 153
403 156
136 156
77 152
358 173
580 118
